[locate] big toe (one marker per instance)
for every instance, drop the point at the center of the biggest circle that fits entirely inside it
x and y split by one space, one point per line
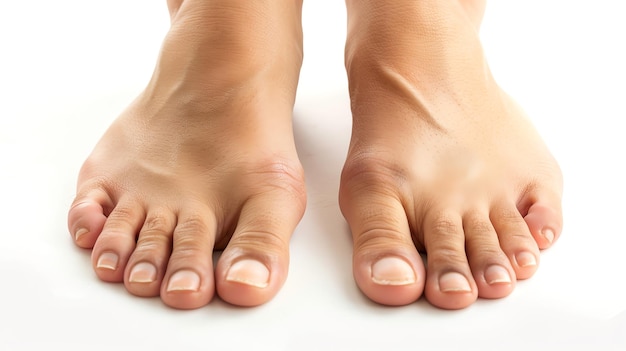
386 265
390 274
254 265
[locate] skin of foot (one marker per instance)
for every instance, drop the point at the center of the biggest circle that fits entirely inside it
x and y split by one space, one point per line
441 161
202 160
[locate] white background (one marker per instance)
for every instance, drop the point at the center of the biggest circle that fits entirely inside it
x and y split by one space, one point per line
67 68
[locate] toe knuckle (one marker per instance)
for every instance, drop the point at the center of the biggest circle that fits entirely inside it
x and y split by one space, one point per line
379 238
486 251
191 227
123 214
155 235
510 216
479 226
444 224
188 246
259 240
157 223
447 256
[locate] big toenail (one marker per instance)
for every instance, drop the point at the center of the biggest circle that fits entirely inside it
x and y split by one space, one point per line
548 234
184 281
525 259
80 232
454 282
249 272
497 274
392 271
107 260
143 273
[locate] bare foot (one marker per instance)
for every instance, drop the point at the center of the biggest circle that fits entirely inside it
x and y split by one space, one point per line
441 160
203 159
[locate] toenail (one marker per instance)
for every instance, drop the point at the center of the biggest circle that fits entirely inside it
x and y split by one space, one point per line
250 272
107 260
525 259
548 234
392 271
80 232
497 274
184 281
143 273
454 282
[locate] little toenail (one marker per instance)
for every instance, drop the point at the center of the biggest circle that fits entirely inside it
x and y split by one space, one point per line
184 281
249 272
143 273
548 234
454 282
525 259
80 232
107 260
496 274
392 271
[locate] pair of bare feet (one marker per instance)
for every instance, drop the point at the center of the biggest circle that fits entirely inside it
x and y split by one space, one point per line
440 161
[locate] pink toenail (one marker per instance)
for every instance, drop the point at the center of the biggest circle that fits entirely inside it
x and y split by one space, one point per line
548 234
143 273
525 259
80 232
184 281
454 282
107 260
249 272
496 274
392 271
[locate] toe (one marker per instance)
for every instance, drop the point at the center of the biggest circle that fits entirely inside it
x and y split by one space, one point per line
386 265
449 282
544 216
491 269
86 217
117 240
188 282
147 264
515 240
254 265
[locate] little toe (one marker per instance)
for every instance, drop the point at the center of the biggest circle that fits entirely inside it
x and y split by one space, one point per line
449 283
147 265
86 217
492 271
516 240
117 240
544 216
188 282
255 263
386 265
